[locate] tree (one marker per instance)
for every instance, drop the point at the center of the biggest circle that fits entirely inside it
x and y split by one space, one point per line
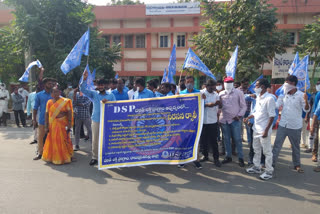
11 55
50 29
125 2
309 43
250 24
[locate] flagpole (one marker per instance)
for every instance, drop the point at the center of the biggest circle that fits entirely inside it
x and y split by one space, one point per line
180 78
305 82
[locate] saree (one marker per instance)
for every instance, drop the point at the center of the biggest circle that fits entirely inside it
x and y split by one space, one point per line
58 147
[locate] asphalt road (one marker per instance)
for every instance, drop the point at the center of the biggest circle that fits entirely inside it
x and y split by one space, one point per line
28 186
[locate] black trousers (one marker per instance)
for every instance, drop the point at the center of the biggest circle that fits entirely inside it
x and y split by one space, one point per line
209 139
22 117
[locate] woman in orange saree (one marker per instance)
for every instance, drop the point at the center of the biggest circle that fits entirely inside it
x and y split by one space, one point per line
58 147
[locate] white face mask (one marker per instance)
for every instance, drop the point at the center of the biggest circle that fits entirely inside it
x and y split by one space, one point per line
228 87
219 87
287 88
318 87
257 90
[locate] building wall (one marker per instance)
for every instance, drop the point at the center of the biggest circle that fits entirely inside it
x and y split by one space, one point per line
151 59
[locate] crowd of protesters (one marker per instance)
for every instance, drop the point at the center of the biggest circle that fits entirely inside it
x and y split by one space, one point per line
229 109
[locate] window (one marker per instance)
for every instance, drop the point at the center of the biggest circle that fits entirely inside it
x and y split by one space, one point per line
181 41
128 41
107 38
116 39
164 41
292 38
140 41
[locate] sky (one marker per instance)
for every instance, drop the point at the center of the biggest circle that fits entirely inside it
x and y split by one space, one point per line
104 2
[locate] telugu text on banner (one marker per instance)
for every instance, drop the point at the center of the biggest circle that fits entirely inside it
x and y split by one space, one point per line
162 130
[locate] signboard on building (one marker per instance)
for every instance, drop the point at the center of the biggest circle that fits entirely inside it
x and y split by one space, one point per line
281 65
170 9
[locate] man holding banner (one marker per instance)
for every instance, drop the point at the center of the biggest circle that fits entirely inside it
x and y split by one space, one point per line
290 124
97 97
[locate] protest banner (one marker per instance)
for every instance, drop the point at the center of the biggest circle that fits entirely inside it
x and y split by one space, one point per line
162 130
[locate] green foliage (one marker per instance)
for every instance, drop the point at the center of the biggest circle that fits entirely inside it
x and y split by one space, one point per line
250 24
125 2
11 55
309 43
50 29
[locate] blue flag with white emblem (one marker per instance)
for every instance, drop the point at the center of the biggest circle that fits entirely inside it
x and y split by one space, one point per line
294 64
117 76
232 64
164 78
301 72
253 85
25 76
74 58
173 61
193 61
170 77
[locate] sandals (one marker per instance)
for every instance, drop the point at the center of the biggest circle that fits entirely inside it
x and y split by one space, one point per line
299 169
317 169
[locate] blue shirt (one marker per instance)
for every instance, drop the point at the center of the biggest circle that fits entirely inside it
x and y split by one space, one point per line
315 103
40 104
170 94
158 94
120 96
185 91
96 98
317 112
145 93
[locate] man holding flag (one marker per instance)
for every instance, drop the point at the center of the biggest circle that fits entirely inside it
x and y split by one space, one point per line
293 102
101 95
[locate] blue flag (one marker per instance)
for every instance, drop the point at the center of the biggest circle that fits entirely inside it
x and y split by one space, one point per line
89 80
193 61
170 77
25 76
173 61
94 74
253 85
164 78
74 58
232 64
301 72
280 91
117 76
294 64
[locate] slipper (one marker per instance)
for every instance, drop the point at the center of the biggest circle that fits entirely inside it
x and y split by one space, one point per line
73 159
317 169
299 169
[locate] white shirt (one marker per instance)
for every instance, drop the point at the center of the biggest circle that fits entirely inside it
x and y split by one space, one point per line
210 113
130 94
264 109
292 110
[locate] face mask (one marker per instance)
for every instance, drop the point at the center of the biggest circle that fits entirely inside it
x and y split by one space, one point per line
228 87
257 90
318 87
219 87
138 89
189 86
287 88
